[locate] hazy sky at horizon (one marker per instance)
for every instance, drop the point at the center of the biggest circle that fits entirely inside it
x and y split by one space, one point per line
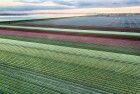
29 5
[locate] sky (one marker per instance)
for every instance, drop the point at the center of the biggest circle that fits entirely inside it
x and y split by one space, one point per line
22 6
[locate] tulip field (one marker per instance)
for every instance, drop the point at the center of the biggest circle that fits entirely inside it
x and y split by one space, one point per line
42 60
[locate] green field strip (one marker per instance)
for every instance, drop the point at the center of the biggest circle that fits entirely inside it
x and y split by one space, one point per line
65 56
92 46
129 34
56 68
92 68
31 47
60 85
22 87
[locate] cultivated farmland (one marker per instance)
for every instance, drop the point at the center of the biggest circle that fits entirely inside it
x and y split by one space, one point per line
51 60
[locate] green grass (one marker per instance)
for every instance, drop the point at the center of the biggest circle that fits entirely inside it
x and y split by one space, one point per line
106 71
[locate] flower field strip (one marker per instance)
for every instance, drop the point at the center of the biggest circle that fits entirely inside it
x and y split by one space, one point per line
97 40
104 28
45 23
91 68
75 31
